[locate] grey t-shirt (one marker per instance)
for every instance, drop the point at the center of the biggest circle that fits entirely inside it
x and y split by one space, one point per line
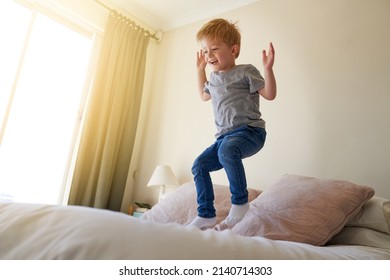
235 98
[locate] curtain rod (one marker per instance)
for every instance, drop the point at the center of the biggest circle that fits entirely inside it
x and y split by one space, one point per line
157 34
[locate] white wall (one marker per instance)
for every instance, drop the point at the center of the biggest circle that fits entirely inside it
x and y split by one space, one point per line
331 116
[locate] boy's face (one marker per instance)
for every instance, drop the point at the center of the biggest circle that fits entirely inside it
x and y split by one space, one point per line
220 56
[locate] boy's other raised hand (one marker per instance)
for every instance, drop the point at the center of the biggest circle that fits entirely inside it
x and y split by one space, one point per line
268 59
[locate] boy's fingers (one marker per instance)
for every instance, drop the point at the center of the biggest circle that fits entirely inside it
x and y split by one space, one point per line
271 48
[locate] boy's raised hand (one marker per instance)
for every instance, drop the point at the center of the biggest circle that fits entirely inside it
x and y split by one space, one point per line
268 59
200 60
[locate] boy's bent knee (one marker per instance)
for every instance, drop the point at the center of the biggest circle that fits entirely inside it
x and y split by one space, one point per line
197 166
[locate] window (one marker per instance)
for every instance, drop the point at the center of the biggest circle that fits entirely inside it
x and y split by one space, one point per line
42 76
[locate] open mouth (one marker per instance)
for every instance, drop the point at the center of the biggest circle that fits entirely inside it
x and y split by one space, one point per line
213 62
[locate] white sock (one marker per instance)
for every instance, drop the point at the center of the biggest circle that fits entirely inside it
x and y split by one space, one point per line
236 213
203 223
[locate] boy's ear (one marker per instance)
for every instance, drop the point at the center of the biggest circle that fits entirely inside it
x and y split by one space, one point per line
235 50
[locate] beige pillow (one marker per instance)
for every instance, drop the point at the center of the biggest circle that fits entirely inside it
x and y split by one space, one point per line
180 205
374 214
361 236
303 209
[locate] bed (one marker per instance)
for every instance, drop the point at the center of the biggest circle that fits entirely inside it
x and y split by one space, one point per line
296 218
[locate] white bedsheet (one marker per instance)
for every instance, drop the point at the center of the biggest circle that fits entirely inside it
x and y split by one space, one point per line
30 231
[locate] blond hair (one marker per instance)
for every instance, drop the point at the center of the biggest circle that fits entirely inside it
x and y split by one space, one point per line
221 29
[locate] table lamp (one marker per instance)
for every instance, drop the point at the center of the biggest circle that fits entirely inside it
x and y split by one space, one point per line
163 177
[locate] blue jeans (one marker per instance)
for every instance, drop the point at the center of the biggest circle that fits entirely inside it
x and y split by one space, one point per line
227 152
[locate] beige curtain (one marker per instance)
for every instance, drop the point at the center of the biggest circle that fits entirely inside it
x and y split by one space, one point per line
110 127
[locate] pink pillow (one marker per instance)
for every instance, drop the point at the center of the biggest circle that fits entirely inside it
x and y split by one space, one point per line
303 209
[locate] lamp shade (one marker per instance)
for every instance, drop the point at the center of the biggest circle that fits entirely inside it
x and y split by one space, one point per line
163 176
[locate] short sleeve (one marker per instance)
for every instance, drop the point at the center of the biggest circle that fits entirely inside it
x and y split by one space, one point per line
254 78
206 88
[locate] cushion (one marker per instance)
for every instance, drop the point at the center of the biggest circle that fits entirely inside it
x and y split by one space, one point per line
303 209
180 206
375 214
361 236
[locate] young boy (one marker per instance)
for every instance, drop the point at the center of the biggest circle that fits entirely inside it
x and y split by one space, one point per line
234 91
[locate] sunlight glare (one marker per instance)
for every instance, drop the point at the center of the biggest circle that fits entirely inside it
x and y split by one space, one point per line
38 138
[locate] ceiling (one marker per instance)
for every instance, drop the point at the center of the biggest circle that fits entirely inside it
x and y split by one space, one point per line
169 14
